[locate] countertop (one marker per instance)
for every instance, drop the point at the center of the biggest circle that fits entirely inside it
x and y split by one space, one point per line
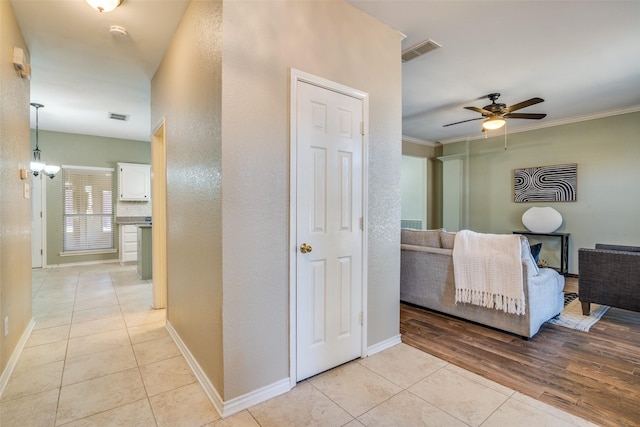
133 220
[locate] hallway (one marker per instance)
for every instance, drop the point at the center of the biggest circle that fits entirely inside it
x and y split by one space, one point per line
99 356
98 350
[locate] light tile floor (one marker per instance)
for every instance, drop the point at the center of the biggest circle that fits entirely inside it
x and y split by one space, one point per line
100 356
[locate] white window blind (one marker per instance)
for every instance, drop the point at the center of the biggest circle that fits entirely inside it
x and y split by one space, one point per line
88 208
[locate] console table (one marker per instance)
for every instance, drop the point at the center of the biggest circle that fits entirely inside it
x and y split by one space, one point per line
564 247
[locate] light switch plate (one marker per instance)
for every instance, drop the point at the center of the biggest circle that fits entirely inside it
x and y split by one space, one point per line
27 190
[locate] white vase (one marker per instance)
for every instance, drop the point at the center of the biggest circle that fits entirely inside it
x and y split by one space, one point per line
542 220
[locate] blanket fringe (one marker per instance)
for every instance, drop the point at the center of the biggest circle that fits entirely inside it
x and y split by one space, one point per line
489 300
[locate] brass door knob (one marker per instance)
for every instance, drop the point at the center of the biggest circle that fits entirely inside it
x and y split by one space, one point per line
305 249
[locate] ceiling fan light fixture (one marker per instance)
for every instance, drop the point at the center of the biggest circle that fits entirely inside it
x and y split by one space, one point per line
104 5
493 123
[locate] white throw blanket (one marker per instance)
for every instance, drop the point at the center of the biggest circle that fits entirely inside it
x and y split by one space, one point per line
488 271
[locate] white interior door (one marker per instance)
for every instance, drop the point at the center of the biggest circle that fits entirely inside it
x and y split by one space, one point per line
329 229
37 219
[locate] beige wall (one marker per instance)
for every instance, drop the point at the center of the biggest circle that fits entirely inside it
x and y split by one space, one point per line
186 90
606 151
262 41
242 121
15 210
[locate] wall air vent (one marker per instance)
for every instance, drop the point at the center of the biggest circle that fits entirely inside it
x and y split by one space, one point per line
419 49
121 117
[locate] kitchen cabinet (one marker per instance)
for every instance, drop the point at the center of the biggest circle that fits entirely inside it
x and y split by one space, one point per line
134 182
128 243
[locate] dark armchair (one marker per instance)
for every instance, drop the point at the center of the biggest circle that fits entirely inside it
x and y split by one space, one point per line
609 275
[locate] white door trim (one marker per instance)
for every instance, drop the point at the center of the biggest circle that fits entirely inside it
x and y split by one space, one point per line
43 218
295 77
159 214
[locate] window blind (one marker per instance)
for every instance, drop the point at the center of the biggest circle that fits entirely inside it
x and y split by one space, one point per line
88 208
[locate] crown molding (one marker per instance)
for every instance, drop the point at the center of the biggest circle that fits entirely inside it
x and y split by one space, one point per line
420 141
577 119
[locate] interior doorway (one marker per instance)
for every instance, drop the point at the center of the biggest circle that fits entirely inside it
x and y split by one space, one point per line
413 192
159 215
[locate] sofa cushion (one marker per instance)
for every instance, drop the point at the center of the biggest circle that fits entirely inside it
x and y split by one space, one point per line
535 251
525 254
430 238
622 248
447 239
427 249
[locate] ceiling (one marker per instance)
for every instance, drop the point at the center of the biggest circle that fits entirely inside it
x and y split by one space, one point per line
80 73
581 57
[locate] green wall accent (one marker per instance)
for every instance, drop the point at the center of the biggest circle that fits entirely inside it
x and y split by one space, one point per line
60 148
434 179
607 153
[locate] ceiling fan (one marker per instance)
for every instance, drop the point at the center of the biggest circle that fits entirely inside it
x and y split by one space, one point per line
496 113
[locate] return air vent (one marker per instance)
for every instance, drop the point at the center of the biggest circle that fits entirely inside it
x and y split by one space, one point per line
121 117
419 49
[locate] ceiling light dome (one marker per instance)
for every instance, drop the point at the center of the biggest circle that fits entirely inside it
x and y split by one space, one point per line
493 123
104 5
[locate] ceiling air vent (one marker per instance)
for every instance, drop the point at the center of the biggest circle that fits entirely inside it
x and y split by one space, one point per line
419 49
121 117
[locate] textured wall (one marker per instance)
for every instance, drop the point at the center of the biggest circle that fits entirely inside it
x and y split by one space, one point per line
186 90
15 210
227 142
60 148
606 151
262 41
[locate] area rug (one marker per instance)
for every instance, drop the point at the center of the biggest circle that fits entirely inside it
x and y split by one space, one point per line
568 297
571 316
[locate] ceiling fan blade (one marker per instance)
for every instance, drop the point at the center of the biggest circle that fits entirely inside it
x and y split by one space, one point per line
535 116
464 121
480 110
523 104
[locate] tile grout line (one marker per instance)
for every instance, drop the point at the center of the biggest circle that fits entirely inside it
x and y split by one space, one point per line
144 386
66 350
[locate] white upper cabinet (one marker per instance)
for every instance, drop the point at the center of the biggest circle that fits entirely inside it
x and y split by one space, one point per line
134 182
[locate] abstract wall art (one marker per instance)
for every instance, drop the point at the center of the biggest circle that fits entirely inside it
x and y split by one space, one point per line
557 183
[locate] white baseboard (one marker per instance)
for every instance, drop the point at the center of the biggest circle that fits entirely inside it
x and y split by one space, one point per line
236 404
81 263
13 360
202 378
260 395
383 345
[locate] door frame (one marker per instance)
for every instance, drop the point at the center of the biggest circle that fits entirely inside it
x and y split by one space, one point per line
297 76
43 218
159 214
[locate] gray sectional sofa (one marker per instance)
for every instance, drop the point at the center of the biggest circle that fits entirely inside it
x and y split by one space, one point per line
427 280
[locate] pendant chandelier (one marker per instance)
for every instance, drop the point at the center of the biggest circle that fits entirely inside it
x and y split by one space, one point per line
37 165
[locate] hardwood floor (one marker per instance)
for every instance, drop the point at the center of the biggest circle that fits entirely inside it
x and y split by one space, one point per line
594 375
